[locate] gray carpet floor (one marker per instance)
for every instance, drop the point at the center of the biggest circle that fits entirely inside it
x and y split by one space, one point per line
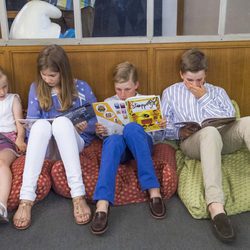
130 227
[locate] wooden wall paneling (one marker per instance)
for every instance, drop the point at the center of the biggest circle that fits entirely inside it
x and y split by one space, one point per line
2 59
23 71
218 67
88 66
166 68
96 67
5 64
226 67
242 86
158 66
151 70
8 68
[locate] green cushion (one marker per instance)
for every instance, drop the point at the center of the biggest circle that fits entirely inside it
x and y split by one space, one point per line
235 178
237 109
235 181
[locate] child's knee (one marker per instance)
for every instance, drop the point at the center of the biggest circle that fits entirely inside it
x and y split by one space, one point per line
3 164
41 127
114 141
211 134
244 123
132 128
60 125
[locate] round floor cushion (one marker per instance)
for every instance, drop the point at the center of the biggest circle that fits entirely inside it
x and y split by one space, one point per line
127 185
43 185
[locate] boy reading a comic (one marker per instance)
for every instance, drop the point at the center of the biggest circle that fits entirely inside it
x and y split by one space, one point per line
133 143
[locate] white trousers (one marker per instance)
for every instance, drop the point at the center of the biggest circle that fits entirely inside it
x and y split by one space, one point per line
69 144
208 144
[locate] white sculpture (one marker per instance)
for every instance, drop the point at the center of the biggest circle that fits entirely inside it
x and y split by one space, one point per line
33 21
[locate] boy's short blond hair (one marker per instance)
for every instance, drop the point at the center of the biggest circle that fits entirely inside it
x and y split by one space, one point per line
124 72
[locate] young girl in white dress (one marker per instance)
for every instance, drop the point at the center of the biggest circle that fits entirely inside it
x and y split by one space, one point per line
12 136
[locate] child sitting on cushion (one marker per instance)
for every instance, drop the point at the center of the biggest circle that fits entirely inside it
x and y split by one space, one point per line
12 135
55 92
193 99
134 143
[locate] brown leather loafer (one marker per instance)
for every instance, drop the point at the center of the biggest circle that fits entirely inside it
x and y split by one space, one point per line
99 223
157 208
223 228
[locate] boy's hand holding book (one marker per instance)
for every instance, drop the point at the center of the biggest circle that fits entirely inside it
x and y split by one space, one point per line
187 131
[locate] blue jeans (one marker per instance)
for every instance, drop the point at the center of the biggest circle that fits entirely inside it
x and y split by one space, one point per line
136 144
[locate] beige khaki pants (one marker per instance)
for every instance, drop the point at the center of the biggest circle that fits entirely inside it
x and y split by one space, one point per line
208 144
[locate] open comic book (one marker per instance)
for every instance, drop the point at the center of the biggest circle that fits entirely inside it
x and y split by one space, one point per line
215 122
144 110
77 115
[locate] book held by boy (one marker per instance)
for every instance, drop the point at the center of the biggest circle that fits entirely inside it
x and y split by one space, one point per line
76 115
115 114
215 122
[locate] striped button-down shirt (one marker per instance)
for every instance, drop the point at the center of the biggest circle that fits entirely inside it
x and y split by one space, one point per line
180 105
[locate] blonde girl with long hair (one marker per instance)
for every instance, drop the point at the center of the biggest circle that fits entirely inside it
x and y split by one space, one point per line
54 92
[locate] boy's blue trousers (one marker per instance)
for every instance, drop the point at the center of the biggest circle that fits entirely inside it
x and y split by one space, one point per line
136 144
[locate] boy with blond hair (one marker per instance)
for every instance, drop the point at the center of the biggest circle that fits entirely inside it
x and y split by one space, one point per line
134 143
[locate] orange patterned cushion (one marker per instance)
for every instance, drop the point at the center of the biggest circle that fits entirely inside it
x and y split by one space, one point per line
43 185
127 185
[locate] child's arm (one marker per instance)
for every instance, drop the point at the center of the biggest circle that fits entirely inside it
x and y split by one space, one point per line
18 114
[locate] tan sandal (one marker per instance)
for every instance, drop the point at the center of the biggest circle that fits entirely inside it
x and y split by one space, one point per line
80 204
22 217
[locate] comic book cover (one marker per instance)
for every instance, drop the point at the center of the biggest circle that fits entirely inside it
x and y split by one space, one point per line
146 111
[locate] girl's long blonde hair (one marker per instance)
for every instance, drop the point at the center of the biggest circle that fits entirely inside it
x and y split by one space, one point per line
53 57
